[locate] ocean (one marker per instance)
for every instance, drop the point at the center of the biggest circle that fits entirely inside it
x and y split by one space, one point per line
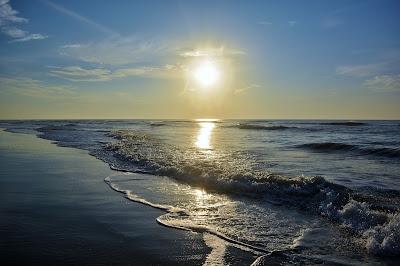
289 191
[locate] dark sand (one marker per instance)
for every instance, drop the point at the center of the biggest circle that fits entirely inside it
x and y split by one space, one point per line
56 209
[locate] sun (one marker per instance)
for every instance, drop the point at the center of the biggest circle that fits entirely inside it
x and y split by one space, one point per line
206 74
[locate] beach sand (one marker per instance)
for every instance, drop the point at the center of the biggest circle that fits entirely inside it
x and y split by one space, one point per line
56 209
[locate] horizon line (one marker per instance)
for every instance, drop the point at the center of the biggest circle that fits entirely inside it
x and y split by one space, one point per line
208 118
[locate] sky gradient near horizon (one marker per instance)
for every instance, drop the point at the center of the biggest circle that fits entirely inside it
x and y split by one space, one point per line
132 59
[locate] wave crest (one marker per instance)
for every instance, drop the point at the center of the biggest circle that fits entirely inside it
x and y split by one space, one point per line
336 146
261 127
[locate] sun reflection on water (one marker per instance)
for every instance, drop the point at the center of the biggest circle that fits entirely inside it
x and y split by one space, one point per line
203 140
200 194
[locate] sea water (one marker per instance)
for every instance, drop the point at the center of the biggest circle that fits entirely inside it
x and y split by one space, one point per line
291 191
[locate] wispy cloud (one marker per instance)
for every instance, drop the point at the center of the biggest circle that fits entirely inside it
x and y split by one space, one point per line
292 23
29 37
74 45
380 76
14 32
122 51
9 14
77 73
116 58
211 52
119 51
359 70
245 89
34 88
65 11
9 19
264 23
384 83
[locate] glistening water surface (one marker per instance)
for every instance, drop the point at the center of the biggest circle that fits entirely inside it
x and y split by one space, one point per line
312 191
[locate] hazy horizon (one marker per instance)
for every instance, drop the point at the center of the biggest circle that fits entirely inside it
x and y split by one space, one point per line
201 118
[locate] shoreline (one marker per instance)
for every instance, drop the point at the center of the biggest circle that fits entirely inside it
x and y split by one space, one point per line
73 217
80 167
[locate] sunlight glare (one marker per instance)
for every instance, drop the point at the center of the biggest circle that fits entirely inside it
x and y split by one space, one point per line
204 135
200 193
206 74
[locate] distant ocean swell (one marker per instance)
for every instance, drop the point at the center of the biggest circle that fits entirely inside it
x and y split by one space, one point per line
376 225
262 127
344 123
254 126
335 146
245 126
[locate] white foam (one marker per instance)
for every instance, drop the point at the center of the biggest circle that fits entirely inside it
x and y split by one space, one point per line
218 248
379 231
179 218
384 239
309 237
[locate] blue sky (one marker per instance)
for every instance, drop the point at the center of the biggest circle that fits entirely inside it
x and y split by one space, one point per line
131 59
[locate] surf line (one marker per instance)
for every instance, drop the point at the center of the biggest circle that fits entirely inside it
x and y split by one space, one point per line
171 211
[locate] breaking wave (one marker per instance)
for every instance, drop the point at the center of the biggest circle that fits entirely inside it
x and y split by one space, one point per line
369 217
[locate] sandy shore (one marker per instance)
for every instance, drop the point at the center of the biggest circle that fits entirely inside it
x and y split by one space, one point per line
56 209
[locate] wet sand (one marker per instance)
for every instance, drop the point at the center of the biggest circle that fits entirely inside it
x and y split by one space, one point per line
56 209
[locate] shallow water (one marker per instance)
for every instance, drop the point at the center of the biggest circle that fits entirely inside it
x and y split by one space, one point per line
254 184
